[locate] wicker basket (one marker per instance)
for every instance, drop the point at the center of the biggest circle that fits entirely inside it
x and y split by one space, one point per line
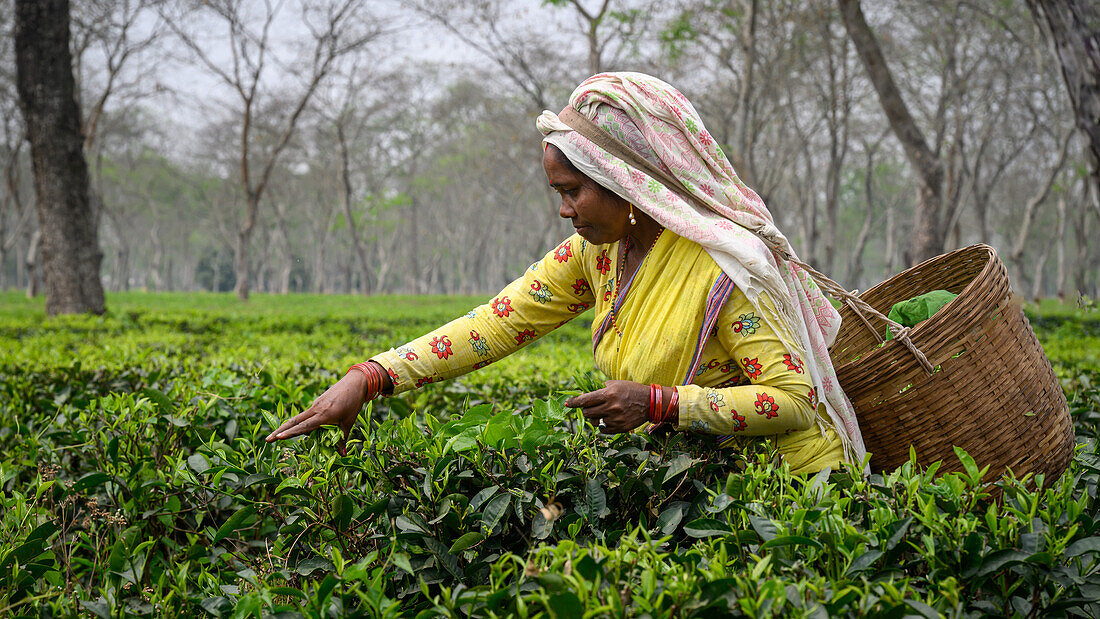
993 393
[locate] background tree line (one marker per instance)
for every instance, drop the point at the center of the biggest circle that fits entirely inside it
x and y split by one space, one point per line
316 146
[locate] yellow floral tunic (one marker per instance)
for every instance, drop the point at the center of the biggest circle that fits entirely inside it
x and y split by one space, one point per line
746 383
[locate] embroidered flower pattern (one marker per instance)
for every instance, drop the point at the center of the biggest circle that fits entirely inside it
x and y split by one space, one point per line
732 382
603 263
717 400
393 376
481 364
737 421
753 367
607 290
525 336
471 314
766 406
794 364
726 367
479 345
564 252
427 380
406 353
502 306
813 397
699 425
577 308
441 346
581 287
746 324
540 292
709 365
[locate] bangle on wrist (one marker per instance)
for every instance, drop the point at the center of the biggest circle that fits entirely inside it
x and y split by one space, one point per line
374 378
656 397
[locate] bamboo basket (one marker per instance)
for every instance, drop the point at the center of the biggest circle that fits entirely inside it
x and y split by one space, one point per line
992 392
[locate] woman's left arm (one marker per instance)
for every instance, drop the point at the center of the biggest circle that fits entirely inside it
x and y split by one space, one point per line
780 397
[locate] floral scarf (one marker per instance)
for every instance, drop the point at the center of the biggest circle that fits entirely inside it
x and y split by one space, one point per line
736 228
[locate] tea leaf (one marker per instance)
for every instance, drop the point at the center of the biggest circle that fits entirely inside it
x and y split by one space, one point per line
467 541
233 523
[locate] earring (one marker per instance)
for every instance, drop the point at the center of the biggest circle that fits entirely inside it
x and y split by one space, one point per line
633 221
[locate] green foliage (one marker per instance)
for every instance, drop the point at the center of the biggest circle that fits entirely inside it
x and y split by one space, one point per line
136 481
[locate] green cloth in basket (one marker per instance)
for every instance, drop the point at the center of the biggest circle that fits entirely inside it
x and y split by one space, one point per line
911 312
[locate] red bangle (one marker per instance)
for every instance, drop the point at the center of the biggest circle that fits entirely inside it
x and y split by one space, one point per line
656 396
374 378
673 403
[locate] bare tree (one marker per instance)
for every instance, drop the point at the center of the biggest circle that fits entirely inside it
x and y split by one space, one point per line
927 234
1074 27
335 29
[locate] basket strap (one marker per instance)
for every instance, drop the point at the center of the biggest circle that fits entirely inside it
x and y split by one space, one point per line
580 123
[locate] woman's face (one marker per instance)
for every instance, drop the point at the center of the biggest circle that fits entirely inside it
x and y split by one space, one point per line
597 214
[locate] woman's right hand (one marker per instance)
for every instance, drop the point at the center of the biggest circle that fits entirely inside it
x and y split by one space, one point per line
338 406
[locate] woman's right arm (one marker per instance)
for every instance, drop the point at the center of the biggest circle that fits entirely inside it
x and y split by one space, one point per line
550 293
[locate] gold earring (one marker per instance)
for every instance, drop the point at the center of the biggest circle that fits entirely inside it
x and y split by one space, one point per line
633 221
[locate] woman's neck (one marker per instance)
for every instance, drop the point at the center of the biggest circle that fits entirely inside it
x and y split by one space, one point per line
643 234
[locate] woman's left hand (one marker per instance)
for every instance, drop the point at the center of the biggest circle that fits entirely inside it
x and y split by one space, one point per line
622 406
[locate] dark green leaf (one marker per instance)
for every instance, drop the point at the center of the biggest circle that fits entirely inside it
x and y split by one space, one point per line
999 560
791 540
595 499
89 481
670 518
1081 546
864 561
764 527
565 605
707 527
198 463
307 567
466 541
494 511
235 522
682 463
480 498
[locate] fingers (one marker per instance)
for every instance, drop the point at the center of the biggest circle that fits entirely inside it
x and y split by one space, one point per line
290 423
587 400
304 427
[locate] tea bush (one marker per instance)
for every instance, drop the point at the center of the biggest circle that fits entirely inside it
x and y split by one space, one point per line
136 482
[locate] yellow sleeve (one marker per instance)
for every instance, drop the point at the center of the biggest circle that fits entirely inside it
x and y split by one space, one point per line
550 293
780 397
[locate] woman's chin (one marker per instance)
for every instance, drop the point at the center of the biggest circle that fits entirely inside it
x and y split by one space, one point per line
593 236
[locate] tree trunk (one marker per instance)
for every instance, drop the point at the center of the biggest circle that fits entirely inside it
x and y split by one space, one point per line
240 264
31 262
1060 278
70 248
346 194
1074 27
927 236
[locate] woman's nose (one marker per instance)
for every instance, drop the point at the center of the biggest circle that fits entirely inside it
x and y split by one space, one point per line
565 211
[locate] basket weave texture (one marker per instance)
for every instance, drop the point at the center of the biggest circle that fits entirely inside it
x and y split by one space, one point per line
993 393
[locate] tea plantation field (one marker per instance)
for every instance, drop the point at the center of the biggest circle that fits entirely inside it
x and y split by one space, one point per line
135 481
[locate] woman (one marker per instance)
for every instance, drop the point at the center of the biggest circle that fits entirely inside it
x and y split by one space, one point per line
697 320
